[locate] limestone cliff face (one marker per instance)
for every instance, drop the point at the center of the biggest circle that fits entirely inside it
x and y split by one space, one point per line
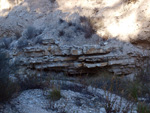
63 45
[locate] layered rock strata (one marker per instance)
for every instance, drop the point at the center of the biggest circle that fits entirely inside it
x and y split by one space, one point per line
120 58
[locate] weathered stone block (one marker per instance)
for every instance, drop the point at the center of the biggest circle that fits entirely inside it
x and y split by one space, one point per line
48 41
94 65
76 51
65 50
122 62
55 50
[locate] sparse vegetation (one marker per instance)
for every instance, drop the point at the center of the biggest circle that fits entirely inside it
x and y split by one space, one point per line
61 20
52 1
7 87
17 34
114 106
30 33
54 95
143 108
22 43
70 23
72 29
31 82
131 90
6 42
75 55
34 81
88 26
61 33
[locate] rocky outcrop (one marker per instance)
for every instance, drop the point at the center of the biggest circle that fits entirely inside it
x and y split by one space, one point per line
64 47
120 58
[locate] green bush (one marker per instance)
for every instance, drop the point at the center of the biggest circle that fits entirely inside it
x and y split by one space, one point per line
7 87
133 90
54 95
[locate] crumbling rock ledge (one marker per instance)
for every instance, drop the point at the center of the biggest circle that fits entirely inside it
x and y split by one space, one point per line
120 58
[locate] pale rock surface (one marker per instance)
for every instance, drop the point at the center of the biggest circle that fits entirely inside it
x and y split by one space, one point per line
116 18
118 57
75 98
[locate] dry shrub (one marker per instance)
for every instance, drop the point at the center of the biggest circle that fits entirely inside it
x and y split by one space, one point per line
87 25
7 86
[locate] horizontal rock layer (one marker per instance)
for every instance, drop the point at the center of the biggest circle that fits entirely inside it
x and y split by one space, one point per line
123 59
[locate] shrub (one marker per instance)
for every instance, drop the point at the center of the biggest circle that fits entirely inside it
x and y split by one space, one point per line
17 34
30 33
61 33
22 43
116 105
88 26
70 24
6 42
32 82
73 29
7 87
54 95
61 21
52 1
140 87
133 90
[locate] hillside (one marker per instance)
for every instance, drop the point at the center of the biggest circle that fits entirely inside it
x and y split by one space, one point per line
73 38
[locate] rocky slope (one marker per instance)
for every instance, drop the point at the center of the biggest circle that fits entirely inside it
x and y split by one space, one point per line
58 35
124 19
75 98
76 37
